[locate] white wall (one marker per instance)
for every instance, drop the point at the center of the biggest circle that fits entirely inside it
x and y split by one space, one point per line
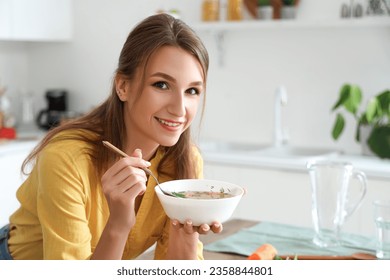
86 65
14 68
312 64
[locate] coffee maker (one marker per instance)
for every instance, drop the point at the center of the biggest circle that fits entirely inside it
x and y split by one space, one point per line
57 107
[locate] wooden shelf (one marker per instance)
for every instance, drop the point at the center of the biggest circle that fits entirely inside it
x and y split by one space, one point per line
283 24
219 29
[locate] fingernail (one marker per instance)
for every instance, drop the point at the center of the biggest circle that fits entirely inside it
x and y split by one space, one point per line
174 222
147 163
205 228
189 223
217 225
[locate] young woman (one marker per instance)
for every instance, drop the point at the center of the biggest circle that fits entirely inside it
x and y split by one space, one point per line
81 201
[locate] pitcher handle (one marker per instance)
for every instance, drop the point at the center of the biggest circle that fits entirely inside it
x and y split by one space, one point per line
361 177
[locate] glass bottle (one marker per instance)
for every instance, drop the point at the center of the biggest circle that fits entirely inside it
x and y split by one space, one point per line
7 116
234 10
210 10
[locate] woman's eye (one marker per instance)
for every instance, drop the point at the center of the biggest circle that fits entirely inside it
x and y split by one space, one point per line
161 85
193 91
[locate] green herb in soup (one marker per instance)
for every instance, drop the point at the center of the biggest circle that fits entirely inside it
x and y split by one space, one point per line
205 194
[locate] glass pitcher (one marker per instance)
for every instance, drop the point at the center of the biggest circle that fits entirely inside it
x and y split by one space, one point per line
332 198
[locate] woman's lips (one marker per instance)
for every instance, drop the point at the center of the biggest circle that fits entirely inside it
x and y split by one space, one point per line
169 123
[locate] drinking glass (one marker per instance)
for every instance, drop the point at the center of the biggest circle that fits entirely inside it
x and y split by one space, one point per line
382 222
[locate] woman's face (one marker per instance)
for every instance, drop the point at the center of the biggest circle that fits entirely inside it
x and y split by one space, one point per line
169 99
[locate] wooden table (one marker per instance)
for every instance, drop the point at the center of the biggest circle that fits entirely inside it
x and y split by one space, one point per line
229 228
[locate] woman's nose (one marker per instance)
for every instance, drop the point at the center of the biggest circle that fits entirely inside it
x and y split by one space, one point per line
177 105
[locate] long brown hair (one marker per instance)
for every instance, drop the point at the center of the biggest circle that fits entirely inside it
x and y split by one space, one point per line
107 120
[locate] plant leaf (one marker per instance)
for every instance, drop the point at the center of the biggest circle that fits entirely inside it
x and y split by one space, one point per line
354 98
379 141
384 101
343 96
338 126
373 110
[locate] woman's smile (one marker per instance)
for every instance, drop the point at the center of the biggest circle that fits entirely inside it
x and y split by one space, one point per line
169 124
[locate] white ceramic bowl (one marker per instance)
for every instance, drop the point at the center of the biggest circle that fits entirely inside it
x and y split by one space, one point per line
200 211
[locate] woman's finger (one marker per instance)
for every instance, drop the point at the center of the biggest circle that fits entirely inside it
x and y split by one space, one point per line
130 182
204 229
129 175
176 224
216 227
125 195
124 167
189 228
137 153
124 180
125 163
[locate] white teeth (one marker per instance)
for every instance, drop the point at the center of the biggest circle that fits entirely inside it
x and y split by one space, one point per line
171 124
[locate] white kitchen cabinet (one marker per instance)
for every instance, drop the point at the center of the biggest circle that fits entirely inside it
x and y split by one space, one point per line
5 21
272 195
36 20
285 196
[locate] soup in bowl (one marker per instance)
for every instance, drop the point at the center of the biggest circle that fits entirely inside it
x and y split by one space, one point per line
200 200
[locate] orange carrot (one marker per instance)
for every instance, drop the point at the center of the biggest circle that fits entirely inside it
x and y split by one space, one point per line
264 252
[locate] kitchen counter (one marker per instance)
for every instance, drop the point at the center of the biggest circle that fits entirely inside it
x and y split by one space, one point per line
373 167
9 147
26 140
228 155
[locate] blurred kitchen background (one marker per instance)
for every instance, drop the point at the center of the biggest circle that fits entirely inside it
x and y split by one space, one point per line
74 46
312 60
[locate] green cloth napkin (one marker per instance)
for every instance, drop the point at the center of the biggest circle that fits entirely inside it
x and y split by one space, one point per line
288 240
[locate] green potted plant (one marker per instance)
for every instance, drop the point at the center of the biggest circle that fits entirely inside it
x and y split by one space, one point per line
263 2
375 119
265 9
289 2
288 10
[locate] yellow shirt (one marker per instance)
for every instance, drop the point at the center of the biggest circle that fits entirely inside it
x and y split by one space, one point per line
63 210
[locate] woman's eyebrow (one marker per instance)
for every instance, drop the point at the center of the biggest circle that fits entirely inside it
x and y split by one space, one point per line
198 83
172 79
164 75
